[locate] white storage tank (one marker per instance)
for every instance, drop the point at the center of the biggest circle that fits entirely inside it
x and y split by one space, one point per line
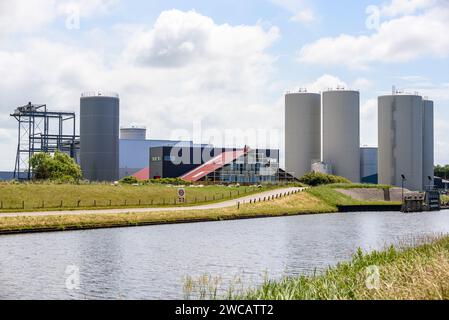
302 132
99 136
401 140
133 133
428 143
341 132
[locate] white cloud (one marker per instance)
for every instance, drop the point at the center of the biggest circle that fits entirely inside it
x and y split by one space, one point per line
30 16
86 8
300 10
225 84
25 15
398 40
325 82
404 7
306 16
182 38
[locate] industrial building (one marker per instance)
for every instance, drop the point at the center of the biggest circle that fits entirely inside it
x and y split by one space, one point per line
406 141
244 166
341 133
323 131
224 165
99 136
135 151
302 132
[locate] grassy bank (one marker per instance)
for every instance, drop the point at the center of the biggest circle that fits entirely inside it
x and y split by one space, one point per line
410 273
301 203
330 196
42 197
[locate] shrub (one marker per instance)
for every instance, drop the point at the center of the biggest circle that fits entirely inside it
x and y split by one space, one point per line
171 181
316 179
59 167
129 180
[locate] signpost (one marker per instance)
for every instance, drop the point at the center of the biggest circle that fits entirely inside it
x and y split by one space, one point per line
181 195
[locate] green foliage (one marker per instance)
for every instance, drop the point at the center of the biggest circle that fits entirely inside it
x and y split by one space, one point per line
442 171
129 180
59 167
316 179
171 181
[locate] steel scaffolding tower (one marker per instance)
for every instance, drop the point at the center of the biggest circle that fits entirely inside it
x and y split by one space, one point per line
40 130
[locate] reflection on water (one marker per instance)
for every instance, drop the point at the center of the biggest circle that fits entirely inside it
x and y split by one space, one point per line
152 262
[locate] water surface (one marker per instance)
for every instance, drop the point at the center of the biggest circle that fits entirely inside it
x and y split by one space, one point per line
152 262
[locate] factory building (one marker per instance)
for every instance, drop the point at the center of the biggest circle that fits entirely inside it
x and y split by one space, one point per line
322 133
99 136
406 141
244 166
135 151
175 161
368 165
341 133
302 132
428 144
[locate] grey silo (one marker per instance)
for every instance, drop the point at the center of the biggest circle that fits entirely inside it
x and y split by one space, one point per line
133 133
341 132
401 140
99 136
428 142
302 132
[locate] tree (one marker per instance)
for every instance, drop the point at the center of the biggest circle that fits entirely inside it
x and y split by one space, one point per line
316 178
442 171
57 167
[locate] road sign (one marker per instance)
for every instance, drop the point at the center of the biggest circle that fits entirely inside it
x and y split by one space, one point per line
181 195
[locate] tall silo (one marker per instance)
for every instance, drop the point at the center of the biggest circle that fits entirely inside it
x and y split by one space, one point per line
428 143
302 132
133 133
341 132
99 136
401 141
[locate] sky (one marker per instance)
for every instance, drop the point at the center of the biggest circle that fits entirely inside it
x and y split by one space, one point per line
217 71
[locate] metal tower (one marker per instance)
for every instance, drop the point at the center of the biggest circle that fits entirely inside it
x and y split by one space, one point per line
41 130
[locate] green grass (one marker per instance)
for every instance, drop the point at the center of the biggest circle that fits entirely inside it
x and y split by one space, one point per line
415 271
300 203
358 186
334 198
47 196
410 273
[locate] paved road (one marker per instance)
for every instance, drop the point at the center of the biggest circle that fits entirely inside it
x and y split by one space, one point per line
218 205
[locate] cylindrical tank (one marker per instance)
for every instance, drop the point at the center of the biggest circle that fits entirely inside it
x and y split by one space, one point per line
401 141
133 133
99 136
341 132
302 132
428 143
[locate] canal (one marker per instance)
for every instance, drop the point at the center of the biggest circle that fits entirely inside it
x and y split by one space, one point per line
152 262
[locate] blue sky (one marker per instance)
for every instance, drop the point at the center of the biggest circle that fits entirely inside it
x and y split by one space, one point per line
225 64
